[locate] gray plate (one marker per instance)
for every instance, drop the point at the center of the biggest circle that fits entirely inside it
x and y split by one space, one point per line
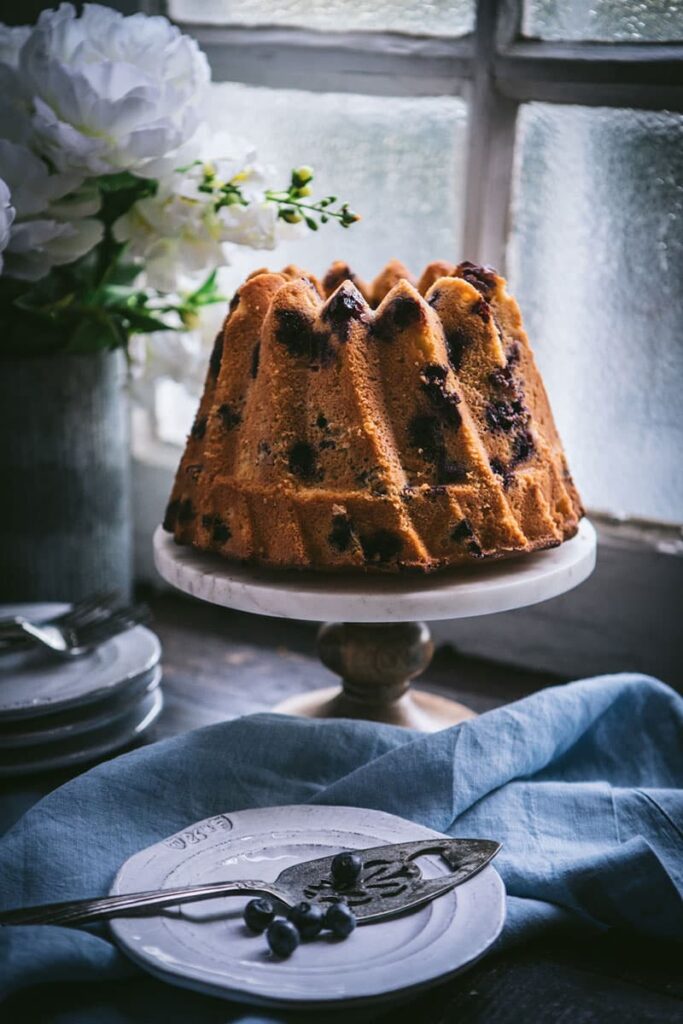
34 732
86 747
33 683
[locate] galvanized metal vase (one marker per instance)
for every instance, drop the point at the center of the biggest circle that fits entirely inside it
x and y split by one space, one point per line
65 521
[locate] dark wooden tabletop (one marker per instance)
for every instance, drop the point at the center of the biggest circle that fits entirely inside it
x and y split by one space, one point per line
220 664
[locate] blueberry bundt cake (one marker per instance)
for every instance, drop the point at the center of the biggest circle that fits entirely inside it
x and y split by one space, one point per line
390 426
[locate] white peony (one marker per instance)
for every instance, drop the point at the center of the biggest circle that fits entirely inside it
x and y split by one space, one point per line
11 41
15 100
113 93
38 245
32 185
53 222
7 215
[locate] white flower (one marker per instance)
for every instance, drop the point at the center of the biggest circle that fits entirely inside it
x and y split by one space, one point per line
15 100
242 153
32 186
179 235
7 215
258 224
255 225
11 41
52 224
84 201
113 93
178 356
38 245
171 236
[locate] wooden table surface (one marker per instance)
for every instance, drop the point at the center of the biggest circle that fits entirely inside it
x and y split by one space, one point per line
220 664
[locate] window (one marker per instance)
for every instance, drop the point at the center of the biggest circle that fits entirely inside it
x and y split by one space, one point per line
596 256
421 17
543 137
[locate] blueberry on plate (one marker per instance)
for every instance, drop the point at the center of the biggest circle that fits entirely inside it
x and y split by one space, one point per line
340 920
283 937
346 868
258 914
308 918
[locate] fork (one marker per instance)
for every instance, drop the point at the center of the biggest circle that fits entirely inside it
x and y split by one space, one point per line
90 609
73 642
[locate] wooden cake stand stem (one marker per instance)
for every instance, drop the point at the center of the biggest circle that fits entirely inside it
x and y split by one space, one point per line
376 662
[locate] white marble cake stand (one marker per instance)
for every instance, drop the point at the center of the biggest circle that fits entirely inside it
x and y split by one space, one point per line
374 635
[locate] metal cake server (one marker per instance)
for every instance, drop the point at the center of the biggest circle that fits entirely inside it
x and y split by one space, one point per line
390 883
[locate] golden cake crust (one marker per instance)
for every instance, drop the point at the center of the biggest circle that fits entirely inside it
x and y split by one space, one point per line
377 427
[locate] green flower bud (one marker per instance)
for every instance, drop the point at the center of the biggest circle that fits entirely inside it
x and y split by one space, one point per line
302 175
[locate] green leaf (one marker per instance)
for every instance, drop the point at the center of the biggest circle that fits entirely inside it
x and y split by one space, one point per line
44 301
116 182
207 287
118 200
118 295
123 273
187 167
145 323
206 294
96 332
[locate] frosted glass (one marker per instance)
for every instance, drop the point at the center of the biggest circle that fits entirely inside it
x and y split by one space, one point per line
595 259
398 162
422 17
641 21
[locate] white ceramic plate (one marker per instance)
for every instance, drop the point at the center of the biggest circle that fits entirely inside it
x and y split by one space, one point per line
87 747
207 947
33 683
33 732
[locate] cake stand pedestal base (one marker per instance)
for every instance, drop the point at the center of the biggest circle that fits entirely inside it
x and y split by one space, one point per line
415 710
376 662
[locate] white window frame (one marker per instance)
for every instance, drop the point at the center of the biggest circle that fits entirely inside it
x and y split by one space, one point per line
496 69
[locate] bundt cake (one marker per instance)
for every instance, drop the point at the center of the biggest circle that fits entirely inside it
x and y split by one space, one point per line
390 426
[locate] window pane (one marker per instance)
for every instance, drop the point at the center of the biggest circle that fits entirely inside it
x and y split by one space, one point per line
422 17
595 259
607 20
398 162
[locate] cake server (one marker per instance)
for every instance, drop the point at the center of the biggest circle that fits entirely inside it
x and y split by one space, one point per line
390 883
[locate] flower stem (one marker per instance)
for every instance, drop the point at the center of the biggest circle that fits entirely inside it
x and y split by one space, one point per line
288 202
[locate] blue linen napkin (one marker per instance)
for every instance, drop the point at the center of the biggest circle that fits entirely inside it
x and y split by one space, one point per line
583 785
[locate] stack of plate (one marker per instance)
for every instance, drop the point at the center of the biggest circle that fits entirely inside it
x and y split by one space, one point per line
56 713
